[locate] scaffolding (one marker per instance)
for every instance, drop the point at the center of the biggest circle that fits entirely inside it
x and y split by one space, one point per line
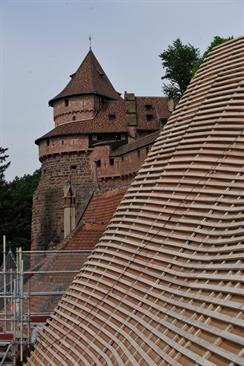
31 283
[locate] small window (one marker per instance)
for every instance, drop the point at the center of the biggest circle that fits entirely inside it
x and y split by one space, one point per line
98 163
111 116
66 102
148 107
138 153
74 118
73 167
48 142
111 161
149 117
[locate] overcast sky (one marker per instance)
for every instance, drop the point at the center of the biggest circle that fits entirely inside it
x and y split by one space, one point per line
43 42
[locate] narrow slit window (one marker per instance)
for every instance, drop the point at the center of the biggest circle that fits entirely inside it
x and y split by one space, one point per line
111 161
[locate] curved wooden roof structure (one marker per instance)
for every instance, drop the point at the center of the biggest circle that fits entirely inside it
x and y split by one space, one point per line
165 283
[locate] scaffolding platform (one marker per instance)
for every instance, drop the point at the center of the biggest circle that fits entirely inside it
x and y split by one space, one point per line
31 284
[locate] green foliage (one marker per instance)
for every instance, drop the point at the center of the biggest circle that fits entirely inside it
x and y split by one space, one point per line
3 164
178 61
16 209
215 42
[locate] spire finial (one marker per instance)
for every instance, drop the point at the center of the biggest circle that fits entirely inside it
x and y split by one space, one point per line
90 42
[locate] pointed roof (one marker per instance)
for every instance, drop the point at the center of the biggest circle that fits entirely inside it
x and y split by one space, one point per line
88 79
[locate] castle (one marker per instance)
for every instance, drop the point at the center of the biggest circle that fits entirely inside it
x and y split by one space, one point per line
99 142
164 285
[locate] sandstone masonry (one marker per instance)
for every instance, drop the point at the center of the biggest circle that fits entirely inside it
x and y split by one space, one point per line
99 142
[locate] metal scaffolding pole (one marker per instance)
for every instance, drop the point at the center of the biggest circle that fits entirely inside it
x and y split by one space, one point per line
4 284
17 293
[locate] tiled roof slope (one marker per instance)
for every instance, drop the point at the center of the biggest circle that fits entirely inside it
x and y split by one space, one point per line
100 123
94 221
164 285
88 79
143 141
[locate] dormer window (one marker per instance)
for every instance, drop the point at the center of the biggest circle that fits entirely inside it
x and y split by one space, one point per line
149 117
148 107
66 102
112 116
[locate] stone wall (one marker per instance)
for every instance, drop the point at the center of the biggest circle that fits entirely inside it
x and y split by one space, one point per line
48 201
56 145
77 108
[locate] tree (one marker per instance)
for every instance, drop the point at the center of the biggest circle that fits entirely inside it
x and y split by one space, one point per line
16 206
16 210
215 42
178 61
3 167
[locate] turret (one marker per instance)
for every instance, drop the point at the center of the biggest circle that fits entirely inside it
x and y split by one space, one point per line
85 94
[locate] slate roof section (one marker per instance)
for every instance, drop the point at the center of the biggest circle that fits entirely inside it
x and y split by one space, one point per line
90 78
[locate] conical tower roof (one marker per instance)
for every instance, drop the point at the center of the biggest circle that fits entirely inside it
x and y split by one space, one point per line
90 78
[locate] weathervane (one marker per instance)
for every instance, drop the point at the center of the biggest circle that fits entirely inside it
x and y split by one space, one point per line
90 42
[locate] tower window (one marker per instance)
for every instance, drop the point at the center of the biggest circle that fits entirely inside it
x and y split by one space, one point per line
148 107
149 117
111 116
111 161
66 102
98 163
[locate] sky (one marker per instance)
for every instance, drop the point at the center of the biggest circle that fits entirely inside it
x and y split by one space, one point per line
42 42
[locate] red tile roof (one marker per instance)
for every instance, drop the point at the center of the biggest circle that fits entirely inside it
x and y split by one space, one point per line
94 221
100 124
144 141
88 79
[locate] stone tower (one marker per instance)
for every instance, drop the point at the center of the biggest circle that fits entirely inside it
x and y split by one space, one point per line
99 141
65 157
